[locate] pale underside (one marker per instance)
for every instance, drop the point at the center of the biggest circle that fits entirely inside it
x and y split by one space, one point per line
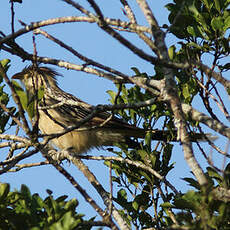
79 141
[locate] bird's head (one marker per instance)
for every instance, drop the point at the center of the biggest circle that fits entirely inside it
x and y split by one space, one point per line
34 78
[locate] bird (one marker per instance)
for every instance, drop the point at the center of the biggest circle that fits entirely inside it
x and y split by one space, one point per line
59 110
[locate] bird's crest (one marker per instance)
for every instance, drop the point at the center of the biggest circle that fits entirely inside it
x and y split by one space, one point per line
47 75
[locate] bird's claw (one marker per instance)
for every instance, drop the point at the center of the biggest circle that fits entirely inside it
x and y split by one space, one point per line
58 156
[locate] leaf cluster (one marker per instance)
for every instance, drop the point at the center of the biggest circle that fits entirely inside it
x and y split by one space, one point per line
202 27
204 19
23 210
204 208
137 185
146 116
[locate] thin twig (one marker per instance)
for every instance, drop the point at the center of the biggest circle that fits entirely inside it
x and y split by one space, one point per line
12 16
82 191
80 56
136 164
29 165
70 19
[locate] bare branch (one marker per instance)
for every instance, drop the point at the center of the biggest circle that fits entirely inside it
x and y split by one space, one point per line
136 164
132 19
159 36
217 76
82 191
29 165
104 195
80 56
206 120
15 138
169 94
70 19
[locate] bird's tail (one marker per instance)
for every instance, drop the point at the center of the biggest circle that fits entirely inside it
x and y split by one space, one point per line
168 135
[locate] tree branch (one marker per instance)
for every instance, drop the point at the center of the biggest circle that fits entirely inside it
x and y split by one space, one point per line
134 163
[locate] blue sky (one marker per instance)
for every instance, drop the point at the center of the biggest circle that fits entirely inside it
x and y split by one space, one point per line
95 44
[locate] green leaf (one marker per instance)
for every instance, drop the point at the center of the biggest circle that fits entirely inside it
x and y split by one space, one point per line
112 94
217 5
71 204
61 198
27 105
143 154
190 200
206 2
25 191
135 205
217 23
5 62
4 98
122 194
153 159
148 139
146 175
192 182
186 92
171 52
214 174
30 110
4 191
66 221
5 65
167 205
41 92
226 23
122 197
21 94
195 31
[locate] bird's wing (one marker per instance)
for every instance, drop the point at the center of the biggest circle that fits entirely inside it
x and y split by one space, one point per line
74 110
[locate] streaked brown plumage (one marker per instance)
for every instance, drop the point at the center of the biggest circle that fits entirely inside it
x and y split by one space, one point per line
55 119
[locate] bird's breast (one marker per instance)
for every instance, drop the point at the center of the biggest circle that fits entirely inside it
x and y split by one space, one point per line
78 141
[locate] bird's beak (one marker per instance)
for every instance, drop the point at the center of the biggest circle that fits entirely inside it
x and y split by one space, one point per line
17 76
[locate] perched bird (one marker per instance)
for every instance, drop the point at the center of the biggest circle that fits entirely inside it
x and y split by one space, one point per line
59 110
